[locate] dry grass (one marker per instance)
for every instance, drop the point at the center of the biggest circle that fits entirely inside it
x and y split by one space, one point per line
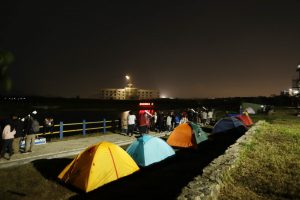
27 182
269 167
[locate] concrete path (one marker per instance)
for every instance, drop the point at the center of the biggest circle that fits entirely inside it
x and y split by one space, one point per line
67 148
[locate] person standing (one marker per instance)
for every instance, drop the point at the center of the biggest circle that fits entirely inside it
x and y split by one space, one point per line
144 123
199 115
131 123
169 123
18 125
183 120
7 139
209 117
48 127
160 122
204 117
177 119
32 128
173 120
124 122
154 124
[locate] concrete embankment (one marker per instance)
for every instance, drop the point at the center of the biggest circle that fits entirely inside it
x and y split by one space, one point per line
207 186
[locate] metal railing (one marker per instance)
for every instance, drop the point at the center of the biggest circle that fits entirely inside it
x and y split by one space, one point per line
84 127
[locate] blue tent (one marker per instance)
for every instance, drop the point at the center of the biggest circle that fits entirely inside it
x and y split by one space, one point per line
226 124
147 150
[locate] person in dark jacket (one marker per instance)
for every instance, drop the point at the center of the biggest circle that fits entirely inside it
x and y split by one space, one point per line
18 126
160 122
30 133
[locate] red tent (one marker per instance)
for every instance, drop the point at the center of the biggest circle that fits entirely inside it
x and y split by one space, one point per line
245 119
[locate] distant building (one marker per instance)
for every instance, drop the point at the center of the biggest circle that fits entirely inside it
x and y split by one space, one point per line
128 93
296 82
295 89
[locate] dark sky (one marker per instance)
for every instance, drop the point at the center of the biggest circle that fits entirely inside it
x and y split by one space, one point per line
186 49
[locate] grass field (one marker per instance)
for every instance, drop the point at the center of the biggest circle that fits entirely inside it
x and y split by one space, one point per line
269 166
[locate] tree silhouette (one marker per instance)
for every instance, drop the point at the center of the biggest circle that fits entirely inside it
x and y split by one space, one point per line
6 59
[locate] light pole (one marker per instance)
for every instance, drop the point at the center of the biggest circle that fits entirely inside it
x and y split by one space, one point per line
128 80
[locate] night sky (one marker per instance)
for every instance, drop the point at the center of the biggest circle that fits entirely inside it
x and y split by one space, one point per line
186 49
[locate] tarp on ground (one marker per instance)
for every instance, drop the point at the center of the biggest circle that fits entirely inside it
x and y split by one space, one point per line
187 135
147 150
226 124
246 119
99 164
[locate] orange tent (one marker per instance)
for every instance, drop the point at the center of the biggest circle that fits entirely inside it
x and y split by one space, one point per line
185 136
245 119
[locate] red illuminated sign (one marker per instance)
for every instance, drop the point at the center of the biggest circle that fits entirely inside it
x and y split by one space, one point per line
146 104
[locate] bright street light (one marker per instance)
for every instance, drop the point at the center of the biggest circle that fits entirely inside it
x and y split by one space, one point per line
127 77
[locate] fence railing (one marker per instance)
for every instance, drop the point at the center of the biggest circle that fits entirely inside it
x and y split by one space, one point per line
103 126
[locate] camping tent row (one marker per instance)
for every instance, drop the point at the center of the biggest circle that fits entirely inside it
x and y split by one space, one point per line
232 123
105 162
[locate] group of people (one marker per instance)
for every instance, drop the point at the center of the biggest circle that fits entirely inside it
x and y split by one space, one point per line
131 123
206 117
163 121
14 130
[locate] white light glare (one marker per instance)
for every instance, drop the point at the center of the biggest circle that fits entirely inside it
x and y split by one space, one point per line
295 92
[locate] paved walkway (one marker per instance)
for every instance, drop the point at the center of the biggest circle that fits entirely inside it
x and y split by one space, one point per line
67 148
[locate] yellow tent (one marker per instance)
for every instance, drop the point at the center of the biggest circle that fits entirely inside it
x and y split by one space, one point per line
99 164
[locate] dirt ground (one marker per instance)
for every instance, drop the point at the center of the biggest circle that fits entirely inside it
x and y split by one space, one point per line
38 180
